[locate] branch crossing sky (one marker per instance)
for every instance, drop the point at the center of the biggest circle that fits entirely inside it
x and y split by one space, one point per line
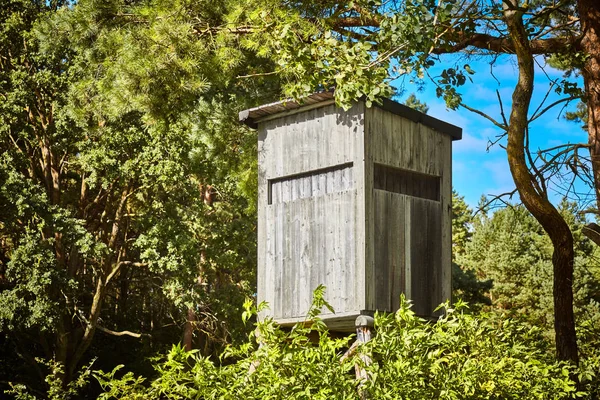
480 168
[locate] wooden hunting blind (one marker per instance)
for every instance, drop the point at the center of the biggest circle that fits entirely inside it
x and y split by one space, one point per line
357 200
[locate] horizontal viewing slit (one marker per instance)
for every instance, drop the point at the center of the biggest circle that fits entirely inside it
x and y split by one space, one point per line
406 182
311 184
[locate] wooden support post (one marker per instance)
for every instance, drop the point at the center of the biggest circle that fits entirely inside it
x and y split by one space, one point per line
364 326
256 363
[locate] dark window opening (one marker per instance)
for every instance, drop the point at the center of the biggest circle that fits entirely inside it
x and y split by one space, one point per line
406 182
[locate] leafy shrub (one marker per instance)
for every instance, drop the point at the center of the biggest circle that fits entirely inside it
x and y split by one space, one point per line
461 356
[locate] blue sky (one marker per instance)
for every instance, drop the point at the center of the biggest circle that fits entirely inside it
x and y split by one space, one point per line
476 170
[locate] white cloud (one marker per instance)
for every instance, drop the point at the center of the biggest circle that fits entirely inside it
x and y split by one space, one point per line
501 180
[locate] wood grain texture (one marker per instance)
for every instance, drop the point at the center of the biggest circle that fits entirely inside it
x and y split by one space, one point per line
359 201
308 201
390 250
312 242
312 140
426 262
399 143
411 190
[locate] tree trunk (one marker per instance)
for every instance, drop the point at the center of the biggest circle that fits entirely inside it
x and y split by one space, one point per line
589 13
533 197
188 330
208 197
109 268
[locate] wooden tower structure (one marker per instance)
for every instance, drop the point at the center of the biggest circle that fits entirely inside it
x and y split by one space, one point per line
356 200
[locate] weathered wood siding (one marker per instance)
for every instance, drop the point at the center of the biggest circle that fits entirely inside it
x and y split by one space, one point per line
390 248
409 169
356 200
312 243
310 196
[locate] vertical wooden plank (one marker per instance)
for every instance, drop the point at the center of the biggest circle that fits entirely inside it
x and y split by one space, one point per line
297 289
397 142
373 130
419 263
319 250
282 262
299 188
381 200
322 184
330 182
278 259
285 191
307 187
293 187
321 241
407 248
417 149
446 218
292 270
408 133
305 140
262 234
303 288
434 233
342 256
425 254
315 247
283 150
328 131
350 265
365 218
315 185
289 269
286 266
396 256
391 149
333 278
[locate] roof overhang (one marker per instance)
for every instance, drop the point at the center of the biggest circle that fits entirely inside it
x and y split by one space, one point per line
253 116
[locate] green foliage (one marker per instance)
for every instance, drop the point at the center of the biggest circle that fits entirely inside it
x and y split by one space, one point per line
580 115
56 389
510 248
462 223
311 55
128 189
118 121
413 102
465 284
461 356
363 47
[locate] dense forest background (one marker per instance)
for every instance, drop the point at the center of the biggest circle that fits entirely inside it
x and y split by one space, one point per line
128 222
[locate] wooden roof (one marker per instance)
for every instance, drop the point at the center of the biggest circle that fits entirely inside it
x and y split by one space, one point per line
253 116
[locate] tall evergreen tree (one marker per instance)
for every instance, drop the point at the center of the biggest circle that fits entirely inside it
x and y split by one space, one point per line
117 123
510 248
465 283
